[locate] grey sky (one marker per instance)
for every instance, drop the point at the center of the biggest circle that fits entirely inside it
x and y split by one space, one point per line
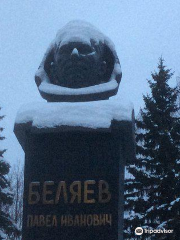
142 31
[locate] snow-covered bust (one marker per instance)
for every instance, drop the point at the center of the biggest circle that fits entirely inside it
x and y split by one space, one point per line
81 64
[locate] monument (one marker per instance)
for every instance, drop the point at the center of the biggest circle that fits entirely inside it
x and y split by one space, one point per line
76 144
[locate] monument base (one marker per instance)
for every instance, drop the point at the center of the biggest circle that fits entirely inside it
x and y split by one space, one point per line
74 177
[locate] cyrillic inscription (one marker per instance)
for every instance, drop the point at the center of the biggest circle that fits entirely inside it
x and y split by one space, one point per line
69 193
81 220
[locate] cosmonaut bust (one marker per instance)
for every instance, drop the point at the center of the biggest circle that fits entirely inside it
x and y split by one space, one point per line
81 64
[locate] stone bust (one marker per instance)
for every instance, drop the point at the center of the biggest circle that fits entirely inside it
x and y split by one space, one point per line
80 65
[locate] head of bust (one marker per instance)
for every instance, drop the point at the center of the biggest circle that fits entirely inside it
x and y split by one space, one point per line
78 65
80 58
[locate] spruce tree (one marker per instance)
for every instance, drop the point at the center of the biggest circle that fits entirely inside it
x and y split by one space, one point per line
152 193
6 225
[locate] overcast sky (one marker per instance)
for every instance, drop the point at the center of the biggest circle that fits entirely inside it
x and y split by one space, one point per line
142 31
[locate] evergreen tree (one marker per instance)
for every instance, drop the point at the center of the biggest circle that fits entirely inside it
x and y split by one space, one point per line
152 193
6 225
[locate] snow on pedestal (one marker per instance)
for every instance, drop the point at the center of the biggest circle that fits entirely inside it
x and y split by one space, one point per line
85 114
98 116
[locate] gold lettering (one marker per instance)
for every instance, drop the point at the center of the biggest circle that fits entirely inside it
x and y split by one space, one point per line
88 191
95 220
29 220
41 221
33 194
102 219
48 221
70 220
61 186
89 220
35 223
82 220
64 220
75 194
54 221
104 191
75 189
47 192
76 220
109 219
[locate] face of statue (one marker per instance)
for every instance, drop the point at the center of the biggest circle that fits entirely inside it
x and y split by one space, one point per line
80 56
78 65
